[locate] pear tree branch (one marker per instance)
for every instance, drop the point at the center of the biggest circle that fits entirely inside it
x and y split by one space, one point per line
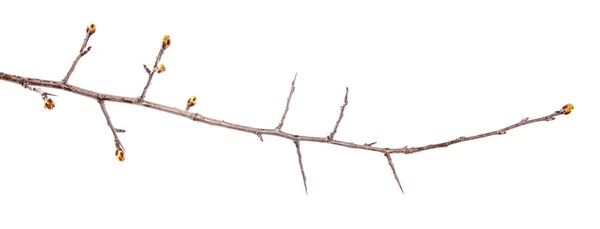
33 84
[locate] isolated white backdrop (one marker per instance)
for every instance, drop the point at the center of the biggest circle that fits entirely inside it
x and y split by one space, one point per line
418 72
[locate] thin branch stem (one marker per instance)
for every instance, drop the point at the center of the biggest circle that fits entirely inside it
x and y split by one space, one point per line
297 143
389 158
287 105
337 124
82 51
151 73
253 130
118 143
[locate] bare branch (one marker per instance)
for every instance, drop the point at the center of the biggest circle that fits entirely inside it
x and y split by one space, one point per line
166 42
287 105
337 124
389 158
253 130
118 143
297 143
82 51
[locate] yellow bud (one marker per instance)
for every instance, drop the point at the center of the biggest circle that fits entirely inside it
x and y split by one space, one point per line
568 108
161 68
91 29
48 103
119 154
191 102
166 41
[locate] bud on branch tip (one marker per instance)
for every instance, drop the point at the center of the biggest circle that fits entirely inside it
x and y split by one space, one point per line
568 108
91 29
119 154
166 41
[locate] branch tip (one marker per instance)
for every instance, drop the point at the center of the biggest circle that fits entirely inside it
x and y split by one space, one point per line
287 104
337 124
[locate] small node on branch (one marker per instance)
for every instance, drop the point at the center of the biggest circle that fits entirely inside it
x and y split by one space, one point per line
190 103
120 155
370 144
566 109
147 69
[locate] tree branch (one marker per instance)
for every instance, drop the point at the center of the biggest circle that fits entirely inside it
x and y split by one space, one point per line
337 124
166 42
287 105
91 29
120 152
389 158
297 143
254 130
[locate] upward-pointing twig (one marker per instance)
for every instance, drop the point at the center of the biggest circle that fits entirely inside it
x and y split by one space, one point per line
287 105
166 42
82 51
337 124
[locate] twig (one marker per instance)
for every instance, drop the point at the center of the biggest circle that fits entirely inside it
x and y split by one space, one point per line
82 51
287 105
337 124
165 44
389 158
253 130
297 143
118 143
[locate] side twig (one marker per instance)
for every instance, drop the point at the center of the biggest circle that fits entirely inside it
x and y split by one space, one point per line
297 143
389 158
166 42
91 29
287 105
337 124
120 150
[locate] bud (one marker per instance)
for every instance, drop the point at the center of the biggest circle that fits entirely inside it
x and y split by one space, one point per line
567 108
91 29
166 41
161 68
191 102
119 154
48 103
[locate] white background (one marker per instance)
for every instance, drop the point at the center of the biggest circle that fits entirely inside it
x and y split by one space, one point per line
419 72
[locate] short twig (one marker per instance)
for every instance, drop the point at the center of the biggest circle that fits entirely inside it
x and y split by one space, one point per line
118 143
370 144
82 51
389 158
151 73
287 105
297 143
337 124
